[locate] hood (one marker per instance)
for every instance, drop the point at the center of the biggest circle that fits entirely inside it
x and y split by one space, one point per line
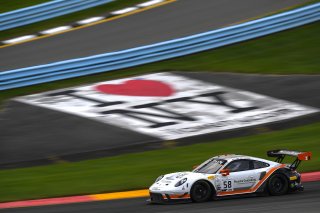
177 176
168 182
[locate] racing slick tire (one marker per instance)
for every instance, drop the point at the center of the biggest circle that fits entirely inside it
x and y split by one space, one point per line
278 185
200 191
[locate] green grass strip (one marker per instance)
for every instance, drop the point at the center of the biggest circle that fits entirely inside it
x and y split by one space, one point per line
134 171
9 5
67 19
294 51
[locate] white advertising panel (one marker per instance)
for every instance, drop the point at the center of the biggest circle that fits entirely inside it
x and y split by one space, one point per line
168 106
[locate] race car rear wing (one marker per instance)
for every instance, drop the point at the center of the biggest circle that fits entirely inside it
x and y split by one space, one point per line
280 155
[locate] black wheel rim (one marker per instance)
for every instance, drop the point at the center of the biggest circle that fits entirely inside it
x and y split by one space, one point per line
277 185
200 191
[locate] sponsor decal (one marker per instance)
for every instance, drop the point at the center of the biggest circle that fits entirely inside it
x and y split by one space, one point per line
181 175
293 178
168 106
243 181
212 177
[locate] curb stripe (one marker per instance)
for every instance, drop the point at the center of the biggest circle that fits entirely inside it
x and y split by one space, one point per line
121 195
306 177
48 201
310 176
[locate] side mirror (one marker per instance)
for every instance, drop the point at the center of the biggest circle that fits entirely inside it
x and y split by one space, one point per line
225 172
194 167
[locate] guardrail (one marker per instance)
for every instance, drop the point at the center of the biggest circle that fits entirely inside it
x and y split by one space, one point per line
160 51
45 11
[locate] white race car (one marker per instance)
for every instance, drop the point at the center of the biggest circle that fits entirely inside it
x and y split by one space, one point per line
231 174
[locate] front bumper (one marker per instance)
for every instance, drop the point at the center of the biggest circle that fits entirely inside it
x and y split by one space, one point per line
168 198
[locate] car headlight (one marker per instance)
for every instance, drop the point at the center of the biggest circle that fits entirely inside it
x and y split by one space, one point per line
159 178
181 182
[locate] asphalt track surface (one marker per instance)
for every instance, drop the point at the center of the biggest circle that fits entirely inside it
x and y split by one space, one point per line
33 135
174 20
306 201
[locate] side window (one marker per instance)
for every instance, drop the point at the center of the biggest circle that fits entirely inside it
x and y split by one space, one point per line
239 165
259 164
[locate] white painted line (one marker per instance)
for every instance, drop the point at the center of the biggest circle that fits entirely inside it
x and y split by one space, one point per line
19 39
149 3
126 10
56 30
90 20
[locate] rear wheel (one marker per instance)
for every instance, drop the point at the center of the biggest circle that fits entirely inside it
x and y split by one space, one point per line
278 184
200 191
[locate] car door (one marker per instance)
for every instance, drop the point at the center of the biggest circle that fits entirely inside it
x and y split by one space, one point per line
241 176
259 170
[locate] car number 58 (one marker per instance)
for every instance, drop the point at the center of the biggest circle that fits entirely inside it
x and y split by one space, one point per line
227 185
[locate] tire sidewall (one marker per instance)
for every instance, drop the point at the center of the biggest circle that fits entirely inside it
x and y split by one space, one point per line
208 188
284 181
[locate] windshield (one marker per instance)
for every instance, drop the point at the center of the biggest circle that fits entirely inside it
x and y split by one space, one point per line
210 166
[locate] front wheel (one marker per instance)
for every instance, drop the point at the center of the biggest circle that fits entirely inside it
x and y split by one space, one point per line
200 191
278 184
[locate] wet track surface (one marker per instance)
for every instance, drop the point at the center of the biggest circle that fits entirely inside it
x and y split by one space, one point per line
178 19
306 201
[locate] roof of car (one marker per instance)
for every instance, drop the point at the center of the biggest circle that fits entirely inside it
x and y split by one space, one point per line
232 156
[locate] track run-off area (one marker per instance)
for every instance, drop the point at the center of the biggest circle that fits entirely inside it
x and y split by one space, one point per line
142 193
295 202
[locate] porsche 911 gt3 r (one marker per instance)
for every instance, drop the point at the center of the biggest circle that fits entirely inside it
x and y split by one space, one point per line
231 174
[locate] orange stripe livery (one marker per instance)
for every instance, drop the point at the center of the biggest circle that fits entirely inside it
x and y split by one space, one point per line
253 189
